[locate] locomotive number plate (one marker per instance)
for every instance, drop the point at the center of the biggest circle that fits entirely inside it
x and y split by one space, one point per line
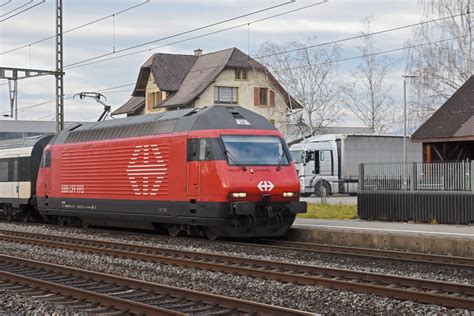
72 188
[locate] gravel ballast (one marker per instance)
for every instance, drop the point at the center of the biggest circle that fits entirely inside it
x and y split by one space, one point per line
310 298
17 304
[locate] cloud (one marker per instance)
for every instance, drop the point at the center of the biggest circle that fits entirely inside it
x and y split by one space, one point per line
333 20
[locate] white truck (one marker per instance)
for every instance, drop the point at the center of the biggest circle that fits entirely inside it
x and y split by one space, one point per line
331 162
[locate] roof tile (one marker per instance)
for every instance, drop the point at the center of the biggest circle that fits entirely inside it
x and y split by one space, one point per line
454 119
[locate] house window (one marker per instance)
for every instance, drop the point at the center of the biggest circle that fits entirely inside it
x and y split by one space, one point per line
240 74
263 96
226 95
154 99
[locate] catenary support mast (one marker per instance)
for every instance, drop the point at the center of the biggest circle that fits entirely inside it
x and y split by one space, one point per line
59 67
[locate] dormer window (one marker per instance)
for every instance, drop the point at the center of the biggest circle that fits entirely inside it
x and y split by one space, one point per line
240 74
154 99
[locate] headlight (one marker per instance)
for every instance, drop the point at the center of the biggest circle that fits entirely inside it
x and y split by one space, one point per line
238 194
289 194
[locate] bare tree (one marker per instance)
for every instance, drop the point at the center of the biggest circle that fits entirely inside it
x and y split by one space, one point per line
309 76
367 95
445 59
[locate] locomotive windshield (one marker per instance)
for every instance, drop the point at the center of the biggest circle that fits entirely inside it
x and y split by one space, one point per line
256 150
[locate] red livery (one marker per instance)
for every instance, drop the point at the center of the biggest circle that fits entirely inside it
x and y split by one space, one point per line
225 171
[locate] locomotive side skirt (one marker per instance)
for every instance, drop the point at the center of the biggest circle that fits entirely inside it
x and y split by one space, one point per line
217 215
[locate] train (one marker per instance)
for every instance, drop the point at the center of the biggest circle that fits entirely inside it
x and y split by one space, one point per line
219 171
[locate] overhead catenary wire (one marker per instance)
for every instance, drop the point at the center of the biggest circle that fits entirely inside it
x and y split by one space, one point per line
72 66
349 58
4 4
354 37
302 66
24 10
376 53
77 27
16 9
363 35
67 97
184 32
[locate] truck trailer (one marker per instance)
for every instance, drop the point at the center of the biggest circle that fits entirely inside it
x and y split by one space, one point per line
331 162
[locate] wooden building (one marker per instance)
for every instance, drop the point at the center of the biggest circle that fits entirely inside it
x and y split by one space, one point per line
448 135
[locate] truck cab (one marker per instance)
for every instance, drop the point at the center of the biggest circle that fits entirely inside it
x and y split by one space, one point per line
317 167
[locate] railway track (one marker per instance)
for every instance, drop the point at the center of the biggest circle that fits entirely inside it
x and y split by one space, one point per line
94 292
30 288
425 291
451 261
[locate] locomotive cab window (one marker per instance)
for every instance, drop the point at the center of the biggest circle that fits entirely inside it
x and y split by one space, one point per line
46 159
204 149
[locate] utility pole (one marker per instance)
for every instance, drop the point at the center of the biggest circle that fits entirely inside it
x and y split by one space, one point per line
15 74
405 128
59 67
13 94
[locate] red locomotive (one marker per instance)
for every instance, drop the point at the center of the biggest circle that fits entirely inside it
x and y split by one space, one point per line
222 170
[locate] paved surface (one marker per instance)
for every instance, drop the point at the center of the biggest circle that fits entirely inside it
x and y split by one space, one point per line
342 199
454 240
459 231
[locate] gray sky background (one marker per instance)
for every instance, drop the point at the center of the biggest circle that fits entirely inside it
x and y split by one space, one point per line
334 20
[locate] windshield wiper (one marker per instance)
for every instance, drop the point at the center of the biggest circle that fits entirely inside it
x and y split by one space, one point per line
281 160
237 162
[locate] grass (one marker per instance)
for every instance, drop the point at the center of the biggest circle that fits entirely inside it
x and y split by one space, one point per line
327 211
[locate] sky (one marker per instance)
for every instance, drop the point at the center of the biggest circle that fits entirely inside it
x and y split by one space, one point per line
156 19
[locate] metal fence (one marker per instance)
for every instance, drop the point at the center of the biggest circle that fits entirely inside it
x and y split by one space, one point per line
424 192
417 176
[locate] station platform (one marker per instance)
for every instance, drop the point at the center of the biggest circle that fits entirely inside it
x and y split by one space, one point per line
457 240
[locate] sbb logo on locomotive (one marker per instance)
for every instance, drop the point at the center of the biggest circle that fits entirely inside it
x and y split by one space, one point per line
146 170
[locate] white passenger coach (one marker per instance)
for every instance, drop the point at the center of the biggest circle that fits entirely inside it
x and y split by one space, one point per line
19 163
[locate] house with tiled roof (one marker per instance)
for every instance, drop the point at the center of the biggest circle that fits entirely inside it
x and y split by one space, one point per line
168 82
448 135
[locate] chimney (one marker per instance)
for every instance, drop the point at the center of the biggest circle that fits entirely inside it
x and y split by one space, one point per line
198 52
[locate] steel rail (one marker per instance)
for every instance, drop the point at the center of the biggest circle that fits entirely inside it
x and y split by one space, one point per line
37 290
89 296
451 261
426 291
80 276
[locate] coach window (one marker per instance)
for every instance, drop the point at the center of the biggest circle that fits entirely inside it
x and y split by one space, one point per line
4 171
24 171
15 170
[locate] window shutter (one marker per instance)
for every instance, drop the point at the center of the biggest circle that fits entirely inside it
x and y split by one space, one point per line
272 97
150 100
256 96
